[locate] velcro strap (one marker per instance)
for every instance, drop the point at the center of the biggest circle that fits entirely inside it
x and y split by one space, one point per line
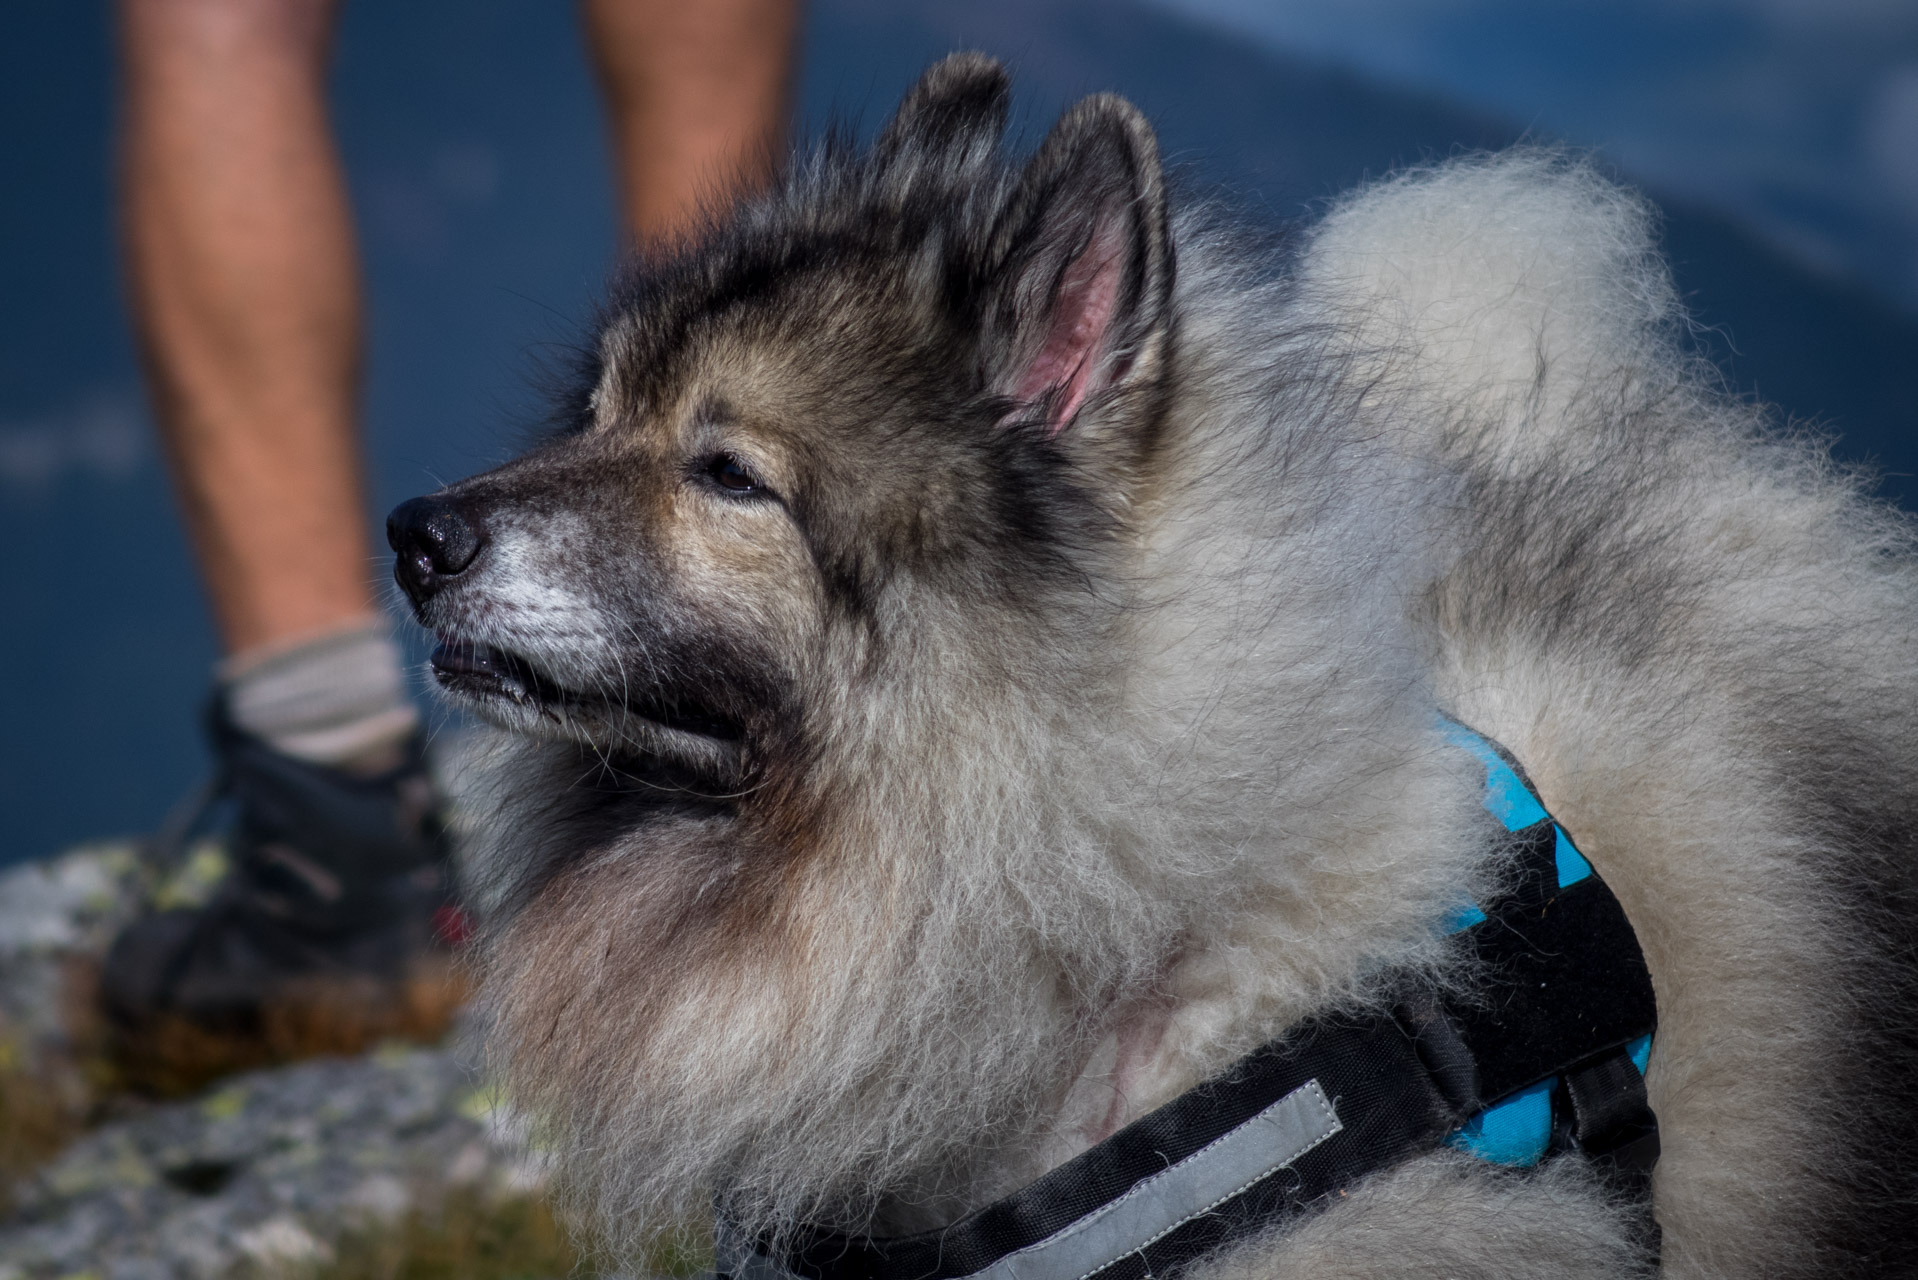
1611 1114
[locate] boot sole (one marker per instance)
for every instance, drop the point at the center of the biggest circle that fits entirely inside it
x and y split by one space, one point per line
337 1015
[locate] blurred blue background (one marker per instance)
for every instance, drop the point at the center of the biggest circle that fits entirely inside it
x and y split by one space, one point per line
1780 137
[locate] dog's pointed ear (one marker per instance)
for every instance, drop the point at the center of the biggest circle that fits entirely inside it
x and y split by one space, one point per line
957 112
1079 301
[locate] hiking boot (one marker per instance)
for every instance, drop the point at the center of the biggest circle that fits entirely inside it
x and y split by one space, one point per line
330 932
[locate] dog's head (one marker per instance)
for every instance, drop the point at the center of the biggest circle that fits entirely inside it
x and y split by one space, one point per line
912 382
797 890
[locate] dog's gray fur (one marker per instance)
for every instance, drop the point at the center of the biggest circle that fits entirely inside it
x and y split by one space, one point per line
1055 723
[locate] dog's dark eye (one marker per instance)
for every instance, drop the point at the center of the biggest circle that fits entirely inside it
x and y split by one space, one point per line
730 475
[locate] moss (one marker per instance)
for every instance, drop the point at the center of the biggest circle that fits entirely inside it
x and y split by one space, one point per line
469 1237
472 1236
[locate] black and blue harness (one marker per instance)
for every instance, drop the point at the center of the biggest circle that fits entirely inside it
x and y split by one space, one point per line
1541 1056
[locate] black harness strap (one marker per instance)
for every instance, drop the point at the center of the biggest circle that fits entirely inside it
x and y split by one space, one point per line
1559 991
1564 976
1370 1068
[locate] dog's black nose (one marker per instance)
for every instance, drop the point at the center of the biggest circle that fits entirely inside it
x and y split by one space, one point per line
435 540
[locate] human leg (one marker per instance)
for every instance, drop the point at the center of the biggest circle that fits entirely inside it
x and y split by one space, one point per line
244 283
245 287
698 97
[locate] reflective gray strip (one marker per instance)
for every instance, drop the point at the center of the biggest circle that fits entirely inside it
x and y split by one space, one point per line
1207 1178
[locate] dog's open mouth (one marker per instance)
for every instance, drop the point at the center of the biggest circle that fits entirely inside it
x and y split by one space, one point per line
482 672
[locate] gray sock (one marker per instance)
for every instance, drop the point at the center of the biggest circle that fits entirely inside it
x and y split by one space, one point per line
338 699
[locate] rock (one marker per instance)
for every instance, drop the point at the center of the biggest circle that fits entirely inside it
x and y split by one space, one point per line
54 912
267 1172
399 1161
56 919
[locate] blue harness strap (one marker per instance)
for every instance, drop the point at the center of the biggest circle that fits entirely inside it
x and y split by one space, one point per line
1517 1129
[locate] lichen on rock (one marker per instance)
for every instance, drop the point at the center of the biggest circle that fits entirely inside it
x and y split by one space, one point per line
268 1172
396 1163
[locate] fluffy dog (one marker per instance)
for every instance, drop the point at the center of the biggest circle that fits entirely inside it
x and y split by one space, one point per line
975 654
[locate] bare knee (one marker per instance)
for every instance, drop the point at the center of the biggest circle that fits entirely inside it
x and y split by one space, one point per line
227 30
